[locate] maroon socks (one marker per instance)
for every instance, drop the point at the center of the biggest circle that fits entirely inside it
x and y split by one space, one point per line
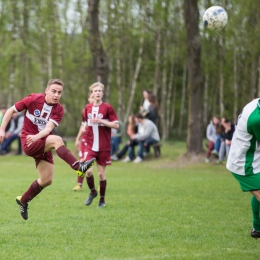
103 185
33 191
66 155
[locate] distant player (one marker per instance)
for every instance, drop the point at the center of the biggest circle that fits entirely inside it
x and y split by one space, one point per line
43 113
101 117
81 144
244 158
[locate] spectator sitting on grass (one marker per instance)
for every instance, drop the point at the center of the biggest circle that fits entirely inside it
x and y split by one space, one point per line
147 135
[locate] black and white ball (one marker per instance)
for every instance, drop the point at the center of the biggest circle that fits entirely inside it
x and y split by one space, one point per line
215 18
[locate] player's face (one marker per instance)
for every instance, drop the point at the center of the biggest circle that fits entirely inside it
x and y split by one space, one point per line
53 93
97 93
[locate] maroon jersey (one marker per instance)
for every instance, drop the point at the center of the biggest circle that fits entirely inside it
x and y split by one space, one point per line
99 135
38 113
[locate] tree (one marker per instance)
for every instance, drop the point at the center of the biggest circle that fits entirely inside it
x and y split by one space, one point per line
100 62
194 137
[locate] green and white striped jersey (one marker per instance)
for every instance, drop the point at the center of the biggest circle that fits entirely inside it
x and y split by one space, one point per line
244 155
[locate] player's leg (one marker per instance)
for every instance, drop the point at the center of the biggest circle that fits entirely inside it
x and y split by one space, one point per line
255 205
102 184
45 170
56 142
91 184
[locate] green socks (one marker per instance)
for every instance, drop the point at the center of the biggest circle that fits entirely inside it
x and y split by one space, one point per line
255 204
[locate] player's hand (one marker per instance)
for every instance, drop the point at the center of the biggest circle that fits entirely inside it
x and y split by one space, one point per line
2 135
31 139
96 120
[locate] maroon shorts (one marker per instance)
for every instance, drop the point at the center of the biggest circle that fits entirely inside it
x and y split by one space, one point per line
36 150
103 158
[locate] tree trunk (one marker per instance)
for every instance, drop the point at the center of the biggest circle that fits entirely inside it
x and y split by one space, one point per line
13 56
183 97
49 54
221 76
157 61
195 133
173 102
99 57
235 115
133 85
206 100
168 101
119 83
258 88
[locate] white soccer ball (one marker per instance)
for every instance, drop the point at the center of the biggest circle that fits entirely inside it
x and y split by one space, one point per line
215 18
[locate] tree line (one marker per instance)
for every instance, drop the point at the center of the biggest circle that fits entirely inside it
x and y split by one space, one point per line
131 45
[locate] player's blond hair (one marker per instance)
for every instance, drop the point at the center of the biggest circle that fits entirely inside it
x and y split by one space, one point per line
96 84
55 81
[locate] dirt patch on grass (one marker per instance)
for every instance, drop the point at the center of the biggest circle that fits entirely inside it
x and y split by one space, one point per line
184 160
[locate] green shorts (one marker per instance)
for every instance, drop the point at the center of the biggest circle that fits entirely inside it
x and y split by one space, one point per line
248 182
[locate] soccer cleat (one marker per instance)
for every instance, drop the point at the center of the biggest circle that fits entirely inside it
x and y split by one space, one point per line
23 208
255 234
101 204
207 160
84 166
77 188
90 198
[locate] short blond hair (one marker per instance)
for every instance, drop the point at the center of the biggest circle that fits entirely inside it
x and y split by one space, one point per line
55 81
96 84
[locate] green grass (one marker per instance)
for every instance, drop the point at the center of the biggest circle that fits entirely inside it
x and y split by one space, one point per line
158 209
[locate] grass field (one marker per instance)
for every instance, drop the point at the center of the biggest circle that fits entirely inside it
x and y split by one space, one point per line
158 209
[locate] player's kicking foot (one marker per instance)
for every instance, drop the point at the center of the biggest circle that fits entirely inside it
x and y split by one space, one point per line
255 234
77 188
84 166
101 204
23 208
90 198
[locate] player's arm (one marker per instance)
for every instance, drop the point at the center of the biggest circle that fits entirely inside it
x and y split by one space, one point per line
7 117
113 124
46 131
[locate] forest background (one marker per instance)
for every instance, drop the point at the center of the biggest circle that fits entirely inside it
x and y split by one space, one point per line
143 45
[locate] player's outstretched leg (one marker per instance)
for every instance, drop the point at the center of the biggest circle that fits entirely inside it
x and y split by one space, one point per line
23 208
84 166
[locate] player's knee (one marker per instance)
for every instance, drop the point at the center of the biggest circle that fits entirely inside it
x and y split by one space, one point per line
89 172
58 140
101 175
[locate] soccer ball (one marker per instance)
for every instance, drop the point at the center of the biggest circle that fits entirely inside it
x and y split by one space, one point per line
215 18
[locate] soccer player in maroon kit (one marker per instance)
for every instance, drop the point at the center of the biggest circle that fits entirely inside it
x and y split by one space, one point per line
100 117
43 112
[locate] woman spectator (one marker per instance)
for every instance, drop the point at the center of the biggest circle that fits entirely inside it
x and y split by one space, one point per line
153 109
131 130
211 136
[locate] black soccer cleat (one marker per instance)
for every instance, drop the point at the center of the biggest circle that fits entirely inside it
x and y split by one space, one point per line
101 204
23 208
84 166
90 198
255 234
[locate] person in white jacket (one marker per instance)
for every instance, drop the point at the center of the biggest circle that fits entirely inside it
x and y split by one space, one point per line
147 135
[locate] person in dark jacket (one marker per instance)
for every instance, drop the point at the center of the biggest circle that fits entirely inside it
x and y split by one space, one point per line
227 139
